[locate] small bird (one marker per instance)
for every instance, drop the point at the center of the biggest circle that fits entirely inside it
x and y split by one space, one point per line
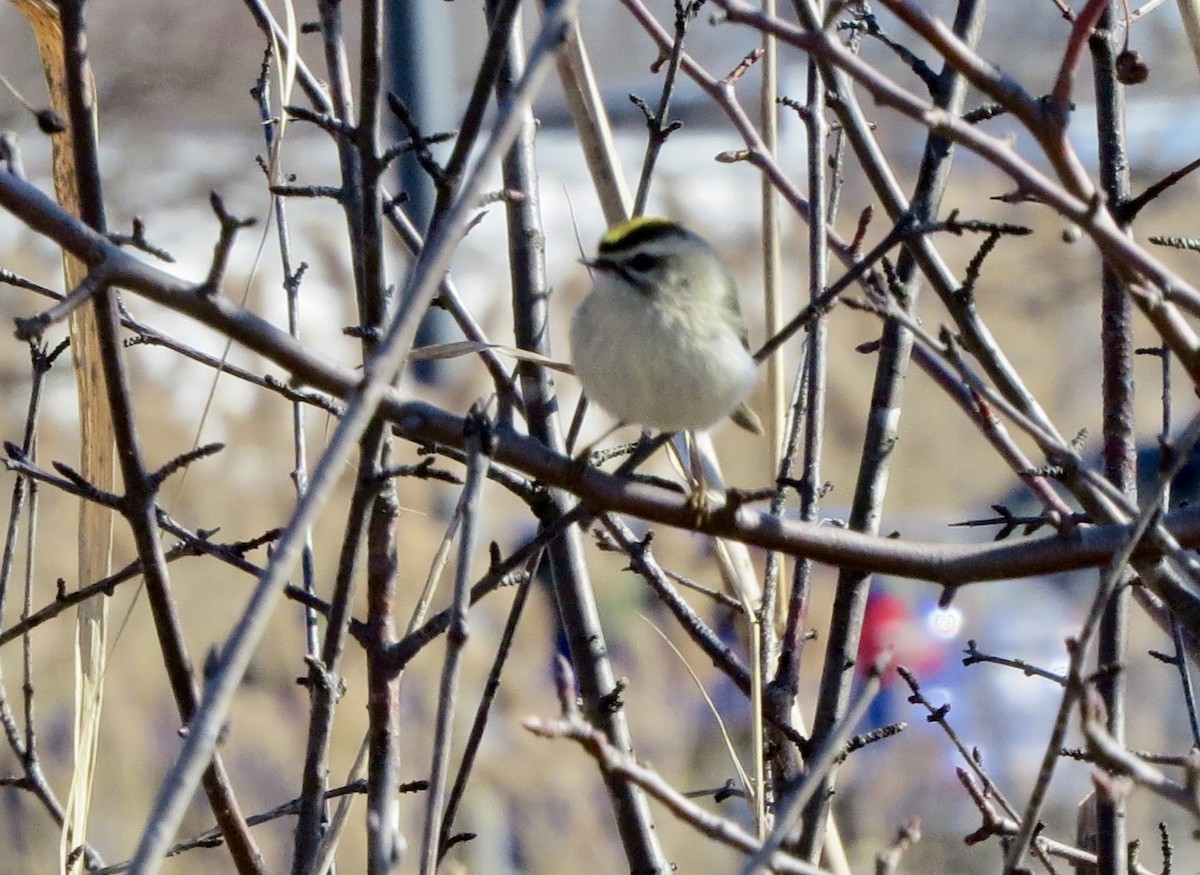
660 340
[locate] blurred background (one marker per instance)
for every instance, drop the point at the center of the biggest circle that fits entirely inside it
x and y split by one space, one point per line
177 122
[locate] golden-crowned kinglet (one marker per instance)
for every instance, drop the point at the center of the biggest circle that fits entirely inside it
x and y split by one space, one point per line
660 340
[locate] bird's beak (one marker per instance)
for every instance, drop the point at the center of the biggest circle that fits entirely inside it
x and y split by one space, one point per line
597 263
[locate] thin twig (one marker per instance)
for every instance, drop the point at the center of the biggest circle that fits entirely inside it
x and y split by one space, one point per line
621 766
479 441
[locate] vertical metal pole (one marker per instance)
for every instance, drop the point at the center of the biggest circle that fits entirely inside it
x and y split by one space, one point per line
418 46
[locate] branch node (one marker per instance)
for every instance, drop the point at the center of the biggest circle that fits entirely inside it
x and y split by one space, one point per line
230 225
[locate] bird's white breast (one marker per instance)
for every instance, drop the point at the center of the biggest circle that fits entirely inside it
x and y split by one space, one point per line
651 367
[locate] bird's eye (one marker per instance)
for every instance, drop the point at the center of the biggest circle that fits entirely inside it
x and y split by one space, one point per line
643 262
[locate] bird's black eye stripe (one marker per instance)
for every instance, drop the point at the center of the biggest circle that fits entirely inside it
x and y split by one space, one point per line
644 261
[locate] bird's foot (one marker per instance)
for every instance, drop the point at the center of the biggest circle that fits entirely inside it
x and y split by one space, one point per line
700 506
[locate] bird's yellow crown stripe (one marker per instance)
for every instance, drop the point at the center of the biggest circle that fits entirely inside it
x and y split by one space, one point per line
623 234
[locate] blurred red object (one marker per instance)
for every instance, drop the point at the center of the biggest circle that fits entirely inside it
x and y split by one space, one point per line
890 623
